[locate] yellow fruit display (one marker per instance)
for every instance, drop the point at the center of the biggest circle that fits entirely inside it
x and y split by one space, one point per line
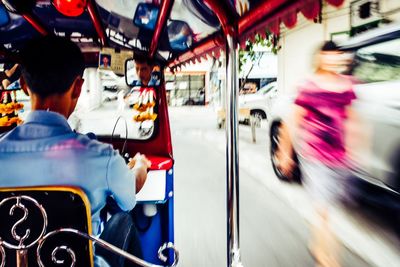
5 121
10 107
144 116
143 107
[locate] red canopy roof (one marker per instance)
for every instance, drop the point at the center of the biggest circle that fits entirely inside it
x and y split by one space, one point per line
113 23
266 16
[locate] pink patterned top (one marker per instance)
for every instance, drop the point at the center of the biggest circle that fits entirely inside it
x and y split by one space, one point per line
322 130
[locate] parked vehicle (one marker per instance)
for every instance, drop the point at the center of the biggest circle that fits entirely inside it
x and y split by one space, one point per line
260 102
195 100
375 151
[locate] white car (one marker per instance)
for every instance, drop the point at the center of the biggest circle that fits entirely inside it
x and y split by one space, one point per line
259 103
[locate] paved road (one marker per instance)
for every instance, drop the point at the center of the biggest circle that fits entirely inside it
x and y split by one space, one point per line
273 233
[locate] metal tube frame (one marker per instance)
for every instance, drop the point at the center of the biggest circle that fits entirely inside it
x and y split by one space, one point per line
230 29
98 25
33 20
222 11
232 153
163 16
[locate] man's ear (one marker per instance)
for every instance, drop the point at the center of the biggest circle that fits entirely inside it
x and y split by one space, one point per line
77 87
24 86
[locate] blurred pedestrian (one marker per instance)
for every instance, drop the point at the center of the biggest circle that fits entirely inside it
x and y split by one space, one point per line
322 107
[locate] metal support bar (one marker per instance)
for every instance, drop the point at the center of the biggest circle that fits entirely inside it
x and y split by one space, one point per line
95 17
224 13
35 23
165 11
232 154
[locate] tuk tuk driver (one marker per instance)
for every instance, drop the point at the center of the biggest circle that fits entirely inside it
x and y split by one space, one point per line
46 151
144 68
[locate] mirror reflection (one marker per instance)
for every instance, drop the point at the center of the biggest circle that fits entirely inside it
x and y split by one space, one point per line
146 16
142 72
4 18
180 35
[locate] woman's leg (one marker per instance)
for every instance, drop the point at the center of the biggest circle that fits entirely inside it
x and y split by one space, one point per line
324 245
320 181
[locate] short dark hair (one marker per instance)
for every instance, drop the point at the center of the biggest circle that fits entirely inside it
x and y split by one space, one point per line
143 60
50 64
329 46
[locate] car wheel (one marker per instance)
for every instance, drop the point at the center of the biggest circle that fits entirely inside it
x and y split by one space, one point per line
190 103
258 116
278 153
245 122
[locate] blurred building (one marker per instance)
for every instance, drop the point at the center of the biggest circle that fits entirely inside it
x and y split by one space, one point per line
190 85
254 75
338 24
261 72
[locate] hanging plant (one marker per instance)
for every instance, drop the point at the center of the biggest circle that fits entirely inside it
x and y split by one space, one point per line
248 54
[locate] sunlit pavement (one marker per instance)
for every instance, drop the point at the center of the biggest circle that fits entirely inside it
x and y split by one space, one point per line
274 215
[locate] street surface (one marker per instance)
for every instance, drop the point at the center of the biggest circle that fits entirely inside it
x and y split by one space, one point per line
274 216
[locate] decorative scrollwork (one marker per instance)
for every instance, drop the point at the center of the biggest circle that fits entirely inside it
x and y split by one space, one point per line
22 239
166 246
3 256
40 240
21 206
68 250
57 249
107 246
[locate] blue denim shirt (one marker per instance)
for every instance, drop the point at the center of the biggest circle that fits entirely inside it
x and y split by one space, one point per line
45 151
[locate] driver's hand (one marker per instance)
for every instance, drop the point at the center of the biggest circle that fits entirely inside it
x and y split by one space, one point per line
139 164
138 161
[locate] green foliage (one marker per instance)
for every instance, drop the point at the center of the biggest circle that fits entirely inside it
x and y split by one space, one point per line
248 54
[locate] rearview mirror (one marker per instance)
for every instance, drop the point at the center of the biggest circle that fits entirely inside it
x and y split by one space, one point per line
146 16
132 79
180 35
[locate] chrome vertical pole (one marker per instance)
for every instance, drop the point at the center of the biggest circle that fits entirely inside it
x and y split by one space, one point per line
232 155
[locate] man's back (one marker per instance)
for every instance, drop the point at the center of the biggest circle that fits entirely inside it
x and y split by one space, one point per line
45 151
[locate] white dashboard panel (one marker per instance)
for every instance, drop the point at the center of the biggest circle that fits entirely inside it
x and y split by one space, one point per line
154 188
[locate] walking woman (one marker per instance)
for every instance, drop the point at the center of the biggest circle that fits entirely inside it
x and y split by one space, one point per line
321 110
